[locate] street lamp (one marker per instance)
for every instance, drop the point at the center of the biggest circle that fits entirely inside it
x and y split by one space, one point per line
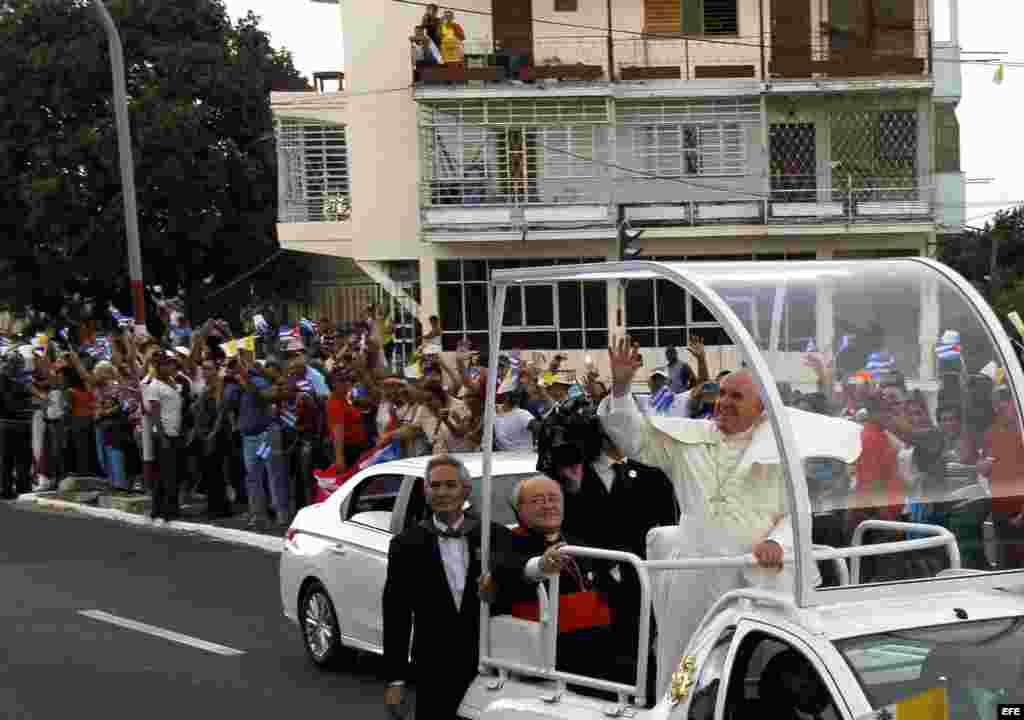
124 152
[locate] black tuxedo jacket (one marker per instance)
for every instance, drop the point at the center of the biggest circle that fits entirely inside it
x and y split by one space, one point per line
446 640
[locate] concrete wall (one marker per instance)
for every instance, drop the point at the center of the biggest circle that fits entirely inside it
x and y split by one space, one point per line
382 133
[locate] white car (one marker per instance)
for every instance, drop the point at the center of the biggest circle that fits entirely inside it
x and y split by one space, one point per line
335 554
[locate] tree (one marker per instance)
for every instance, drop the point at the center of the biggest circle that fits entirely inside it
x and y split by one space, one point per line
971 254
199 100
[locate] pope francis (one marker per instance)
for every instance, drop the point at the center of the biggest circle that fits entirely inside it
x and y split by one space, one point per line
731 492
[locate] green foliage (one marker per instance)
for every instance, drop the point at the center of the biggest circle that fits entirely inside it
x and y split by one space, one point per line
199 88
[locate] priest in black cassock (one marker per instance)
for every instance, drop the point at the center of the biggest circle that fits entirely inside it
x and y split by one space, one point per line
611 502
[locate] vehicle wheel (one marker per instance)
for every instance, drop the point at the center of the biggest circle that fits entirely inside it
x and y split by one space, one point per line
321 635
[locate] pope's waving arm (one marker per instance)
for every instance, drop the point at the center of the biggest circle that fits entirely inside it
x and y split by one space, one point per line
631 432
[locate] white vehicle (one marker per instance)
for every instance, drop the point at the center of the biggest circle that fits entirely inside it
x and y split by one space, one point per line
334 561
899 624
924 622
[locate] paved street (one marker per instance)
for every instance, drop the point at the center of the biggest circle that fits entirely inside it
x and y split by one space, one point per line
58 663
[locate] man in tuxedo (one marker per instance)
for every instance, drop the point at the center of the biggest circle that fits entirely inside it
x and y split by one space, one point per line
432 580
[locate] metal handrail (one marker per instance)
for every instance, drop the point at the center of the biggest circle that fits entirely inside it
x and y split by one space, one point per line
942 537
549 609
551 637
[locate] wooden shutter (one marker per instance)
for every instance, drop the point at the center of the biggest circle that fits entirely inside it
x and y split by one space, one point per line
513 25
893 27
663 17
791 38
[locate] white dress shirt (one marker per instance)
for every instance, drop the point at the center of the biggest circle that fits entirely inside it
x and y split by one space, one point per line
455 558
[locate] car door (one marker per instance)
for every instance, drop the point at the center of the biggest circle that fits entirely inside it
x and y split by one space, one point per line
774 673
359 558
697 680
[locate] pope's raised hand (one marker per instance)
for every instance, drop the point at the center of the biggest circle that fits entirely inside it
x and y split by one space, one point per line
624 363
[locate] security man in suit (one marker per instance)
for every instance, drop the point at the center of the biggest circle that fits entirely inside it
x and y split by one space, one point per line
611 502
433 580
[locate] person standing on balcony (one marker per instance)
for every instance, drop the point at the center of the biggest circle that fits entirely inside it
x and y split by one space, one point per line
452 38
431 23
424 51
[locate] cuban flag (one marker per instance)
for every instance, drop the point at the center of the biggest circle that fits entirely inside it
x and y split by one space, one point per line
844 343
264 450
879 362
261 324
811 346
99 349
5 345
948 347
121 320
329 480
662 401
308 326
287 332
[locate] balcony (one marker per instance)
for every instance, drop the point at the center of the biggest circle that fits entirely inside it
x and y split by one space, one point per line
460 217
802 42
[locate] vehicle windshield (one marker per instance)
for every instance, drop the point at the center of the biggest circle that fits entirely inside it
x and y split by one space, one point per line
894 347
978 665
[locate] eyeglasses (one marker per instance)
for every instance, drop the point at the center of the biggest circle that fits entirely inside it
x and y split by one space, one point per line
542 500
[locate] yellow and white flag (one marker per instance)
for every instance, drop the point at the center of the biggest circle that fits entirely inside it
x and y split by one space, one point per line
230 348
1018 324
248 343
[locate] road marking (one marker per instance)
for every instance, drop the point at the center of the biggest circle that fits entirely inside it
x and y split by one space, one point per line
161 632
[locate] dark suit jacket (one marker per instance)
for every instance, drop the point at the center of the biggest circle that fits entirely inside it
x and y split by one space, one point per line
641 498
446 641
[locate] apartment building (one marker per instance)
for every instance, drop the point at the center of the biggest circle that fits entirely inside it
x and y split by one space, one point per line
725 129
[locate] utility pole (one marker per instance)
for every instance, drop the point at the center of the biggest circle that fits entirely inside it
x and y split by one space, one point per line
124 153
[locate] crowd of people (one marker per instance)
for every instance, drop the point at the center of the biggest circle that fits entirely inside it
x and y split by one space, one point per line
438 40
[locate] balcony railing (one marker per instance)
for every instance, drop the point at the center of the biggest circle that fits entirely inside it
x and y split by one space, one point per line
861 205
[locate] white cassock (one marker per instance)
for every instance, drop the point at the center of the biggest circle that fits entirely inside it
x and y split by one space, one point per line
732 494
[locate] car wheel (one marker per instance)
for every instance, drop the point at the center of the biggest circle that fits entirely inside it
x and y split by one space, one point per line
321 635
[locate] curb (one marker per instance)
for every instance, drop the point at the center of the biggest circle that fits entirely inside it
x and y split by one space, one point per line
272 545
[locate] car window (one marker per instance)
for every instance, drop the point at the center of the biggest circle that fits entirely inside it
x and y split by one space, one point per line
705 691
979 664
501 494
373 501
771 678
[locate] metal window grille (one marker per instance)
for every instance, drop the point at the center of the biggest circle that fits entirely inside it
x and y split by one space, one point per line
499 153
314 171
877 153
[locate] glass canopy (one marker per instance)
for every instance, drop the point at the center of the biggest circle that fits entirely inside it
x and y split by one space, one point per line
916 375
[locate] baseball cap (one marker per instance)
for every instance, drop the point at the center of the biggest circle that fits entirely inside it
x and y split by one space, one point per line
660 371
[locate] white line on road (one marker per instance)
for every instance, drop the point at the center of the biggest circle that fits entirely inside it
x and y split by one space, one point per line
160 632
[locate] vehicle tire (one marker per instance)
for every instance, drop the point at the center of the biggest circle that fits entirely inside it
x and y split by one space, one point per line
321 633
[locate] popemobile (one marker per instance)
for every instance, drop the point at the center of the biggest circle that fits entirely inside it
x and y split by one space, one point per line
856 552
869 616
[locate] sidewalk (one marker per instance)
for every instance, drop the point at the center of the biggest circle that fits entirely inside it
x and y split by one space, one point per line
134 510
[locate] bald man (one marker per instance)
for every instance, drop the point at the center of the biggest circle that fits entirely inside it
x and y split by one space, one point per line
584 623
730 504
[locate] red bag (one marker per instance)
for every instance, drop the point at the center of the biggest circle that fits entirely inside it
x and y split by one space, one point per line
576 611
